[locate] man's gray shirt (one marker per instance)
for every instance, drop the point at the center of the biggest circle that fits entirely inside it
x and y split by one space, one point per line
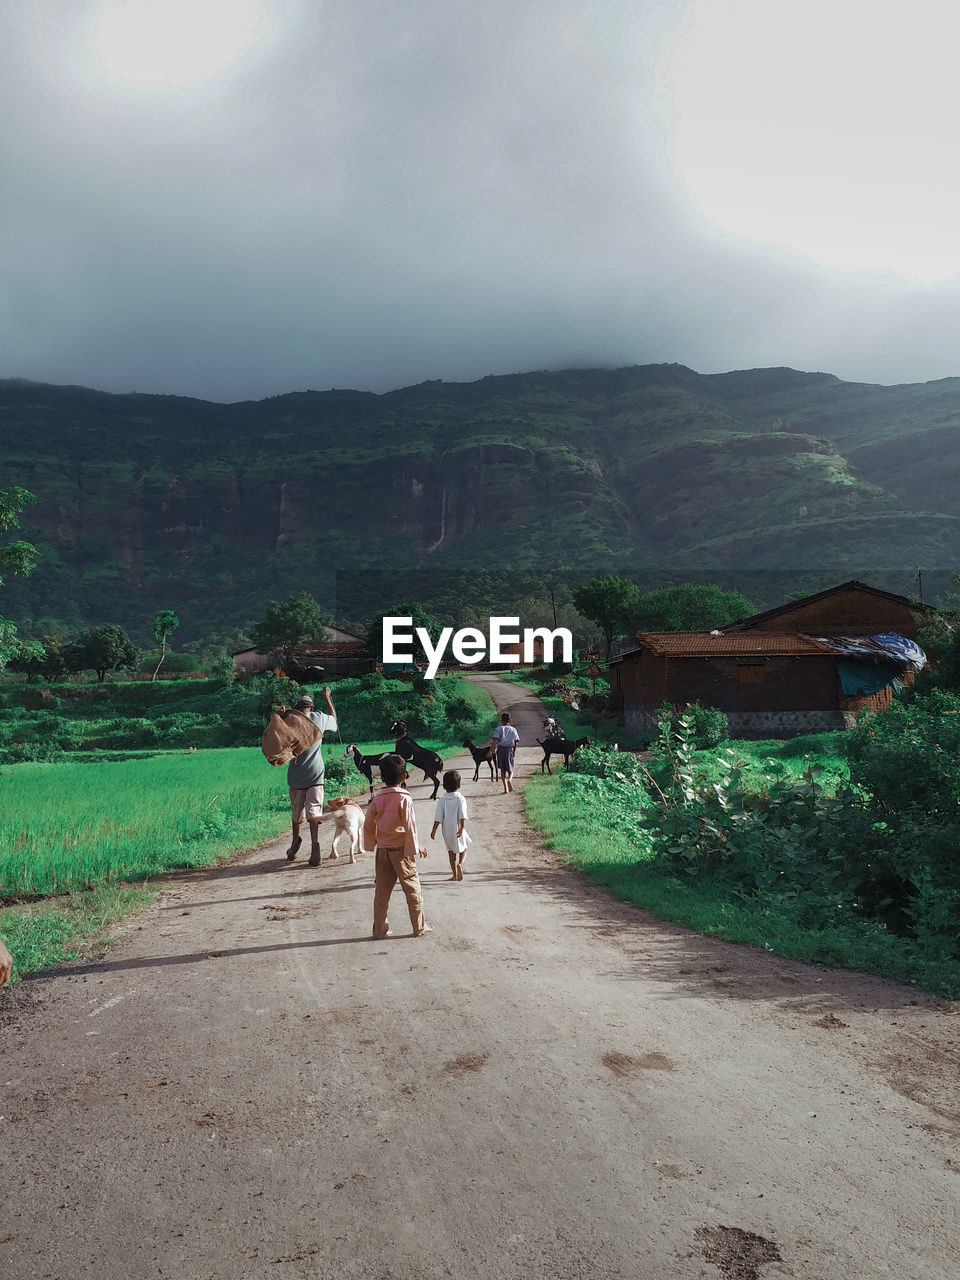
307 769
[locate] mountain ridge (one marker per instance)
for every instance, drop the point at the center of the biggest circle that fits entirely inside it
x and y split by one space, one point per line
154 501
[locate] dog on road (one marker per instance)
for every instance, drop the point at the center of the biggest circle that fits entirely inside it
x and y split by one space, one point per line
348 817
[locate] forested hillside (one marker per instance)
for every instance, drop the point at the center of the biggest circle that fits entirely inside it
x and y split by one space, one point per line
148 502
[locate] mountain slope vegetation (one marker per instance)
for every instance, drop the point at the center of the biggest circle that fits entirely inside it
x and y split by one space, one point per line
149 502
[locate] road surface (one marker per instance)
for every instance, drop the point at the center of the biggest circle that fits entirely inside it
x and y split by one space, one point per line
552 1084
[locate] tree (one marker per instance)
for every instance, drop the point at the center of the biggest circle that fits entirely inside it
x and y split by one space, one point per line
15 557
939 636
47 665
165 622
19 558
102 649
690 607
373 637
610 602
288 623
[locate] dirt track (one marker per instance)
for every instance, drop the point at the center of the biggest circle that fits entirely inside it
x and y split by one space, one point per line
552 1084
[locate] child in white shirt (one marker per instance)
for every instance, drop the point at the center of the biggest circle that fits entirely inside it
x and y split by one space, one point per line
451 817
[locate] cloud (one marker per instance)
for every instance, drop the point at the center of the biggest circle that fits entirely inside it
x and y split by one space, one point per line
379 194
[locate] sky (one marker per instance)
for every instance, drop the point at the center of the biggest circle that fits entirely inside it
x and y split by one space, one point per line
238 198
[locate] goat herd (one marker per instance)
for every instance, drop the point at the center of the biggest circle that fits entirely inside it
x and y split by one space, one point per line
432 765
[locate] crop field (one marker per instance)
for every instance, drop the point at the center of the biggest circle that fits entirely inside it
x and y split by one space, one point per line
83 834
68 825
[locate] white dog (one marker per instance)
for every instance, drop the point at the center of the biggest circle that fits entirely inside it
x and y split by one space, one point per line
348 817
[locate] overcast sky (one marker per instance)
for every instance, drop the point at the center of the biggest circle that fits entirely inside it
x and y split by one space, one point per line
237 198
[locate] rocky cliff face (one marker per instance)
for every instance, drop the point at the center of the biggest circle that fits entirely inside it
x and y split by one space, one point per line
147 502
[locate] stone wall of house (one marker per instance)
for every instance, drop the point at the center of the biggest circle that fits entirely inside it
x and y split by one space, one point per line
752 724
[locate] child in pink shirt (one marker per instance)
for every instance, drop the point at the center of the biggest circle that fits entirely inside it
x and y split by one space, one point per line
391 825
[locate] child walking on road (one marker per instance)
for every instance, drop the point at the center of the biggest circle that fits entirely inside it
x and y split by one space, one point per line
451 818
391 825
505 739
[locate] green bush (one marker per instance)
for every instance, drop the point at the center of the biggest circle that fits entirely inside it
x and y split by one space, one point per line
212 714
710 726
882 848
907 756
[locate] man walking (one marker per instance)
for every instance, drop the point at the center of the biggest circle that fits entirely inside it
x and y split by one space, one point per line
305 776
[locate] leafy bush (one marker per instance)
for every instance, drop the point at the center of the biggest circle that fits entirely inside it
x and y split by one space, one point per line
907 757
335 769
883 848
210 713
605 762
709 726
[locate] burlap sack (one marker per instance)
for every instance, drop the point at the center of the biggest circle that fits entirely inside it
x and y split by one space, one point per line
288 733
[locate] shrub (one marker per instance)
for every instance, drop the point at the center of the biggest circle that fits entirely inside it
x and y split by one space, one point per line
709 726
906 756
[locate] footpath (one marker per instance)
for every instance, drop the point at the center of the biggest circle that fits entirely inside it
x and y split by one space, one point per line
551 1084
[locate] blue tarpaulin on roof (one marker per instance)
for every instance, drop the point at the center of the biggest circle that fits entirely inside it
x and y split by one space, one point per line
888 645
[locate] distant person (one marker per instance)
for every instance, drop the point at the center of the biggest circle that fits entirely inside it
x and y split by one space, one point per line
6 964
553 728
505 739
305 778
451 818
391 826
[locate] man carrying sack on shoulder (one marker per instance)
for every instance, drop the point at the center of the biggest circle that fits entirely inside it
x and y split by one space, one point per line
305 776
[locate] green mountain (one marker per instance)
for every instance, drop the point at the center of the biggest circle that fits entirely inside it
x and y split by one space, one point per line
148 502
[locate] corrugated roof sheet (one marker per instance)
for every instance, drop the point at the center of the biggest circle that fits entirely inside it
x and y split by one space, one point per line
757 644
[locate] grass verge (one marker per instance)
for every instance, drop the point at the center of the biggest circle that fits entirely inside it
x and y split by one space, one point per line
53 931
598 847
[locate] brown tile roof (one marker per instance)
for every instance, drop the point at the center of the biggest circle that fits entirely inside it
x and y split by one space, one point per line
704 644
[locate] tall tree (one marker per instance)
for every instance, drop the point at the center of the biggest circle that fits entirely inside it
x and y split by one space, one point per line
164 623
20 558
373 637
102 649
609 601
291 622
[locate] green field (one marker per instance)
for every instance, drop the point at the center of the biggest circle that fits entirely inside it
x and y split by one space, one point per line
69 826
81 836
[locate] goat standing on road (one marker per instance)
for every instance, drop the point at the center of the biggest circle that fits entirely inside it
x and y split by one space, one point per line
366 764
419 757
480 754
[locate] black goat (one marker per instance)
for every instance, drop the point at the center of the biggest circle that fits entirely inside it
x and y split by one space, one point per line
480 754
367 764
418 756
559 747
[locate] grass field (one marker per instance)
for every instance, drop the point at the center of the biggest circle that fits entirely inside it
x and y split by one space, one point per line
76 837
68 826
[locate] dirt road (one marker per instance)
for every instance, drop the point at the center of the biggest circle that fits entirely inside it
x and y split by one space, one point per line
552 1084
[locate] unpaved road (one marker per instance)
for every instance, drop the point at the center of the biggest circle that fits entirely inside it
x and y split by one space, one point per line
552 1084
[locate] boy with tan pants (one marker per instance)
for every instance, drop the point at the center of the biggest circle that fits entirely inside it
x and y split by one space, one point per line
391 826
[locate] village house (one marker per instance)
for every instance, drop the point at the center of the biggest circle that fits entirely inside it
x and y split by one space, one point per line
341 654
805 667
850 609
